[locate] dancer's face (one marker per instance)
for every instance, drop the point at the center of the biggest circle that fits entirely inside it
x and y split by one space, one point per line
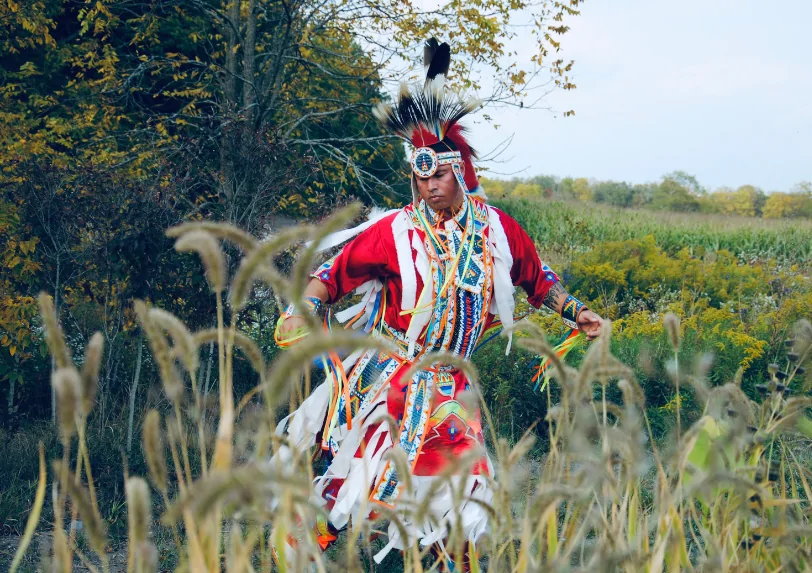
441 191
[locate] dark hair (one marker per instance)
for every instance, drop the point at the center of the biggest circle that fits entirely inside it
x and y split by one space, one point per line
443 146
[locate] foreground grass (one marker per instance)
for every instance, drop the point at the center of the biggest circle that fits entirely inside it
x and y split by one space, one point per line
728 491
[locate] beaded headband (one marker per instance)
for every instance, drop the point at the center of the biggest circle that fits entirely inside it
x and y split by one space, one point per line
425 160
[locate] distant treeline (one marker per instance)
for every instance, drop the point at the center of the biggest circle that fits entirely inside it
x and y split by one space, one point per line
678 191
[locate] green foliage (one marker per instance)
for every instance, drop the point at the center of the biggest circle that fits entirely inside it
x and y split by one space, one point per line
718 274
639 269
566 229
670 195
746 201
784 205
576 189
615 193
527 191
739 313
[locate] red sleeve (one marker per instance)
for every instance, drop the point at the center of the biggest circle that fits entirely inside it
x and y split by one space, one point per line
370 255
528 271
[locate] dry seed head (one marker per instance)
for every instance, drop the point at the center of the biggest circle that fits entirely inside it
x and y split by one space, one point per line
251 351
605 340
802 335
96 530
139 510
671 324
253 265
224 231
68 388
170 378
146 558
304 264
90 371
154 450
632 392
181 337
53 331
242 341
203 243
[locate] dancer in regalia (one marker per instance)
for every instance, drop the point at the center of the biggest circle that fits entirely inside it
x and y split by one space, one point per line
434 276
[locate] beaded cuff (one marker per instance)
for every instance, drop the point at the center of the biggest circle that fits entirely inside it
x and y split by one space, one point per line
570 310
312 303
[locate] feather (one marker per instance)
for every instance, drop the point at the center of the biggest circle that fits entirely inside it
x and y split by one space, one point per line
436 59
429 48
432 110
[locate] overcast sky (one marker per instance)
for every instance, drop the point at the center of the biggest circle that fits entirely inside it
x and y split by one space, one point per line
721 89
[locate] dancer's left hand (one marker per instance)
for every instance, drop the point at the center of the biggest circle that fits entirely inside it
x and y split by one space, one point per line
590 324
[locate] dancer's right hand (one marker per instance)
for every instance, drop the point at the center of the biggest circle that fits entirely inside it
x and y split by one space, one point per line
290 326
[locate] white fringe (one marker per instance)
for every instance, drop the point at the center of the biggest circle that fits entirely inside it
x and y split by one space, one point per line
340 237
420 319
502 284
361 474
400 230
443 513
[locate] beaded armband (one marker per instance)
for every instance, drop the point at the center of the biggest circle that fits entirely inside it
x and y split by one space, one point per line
312 303
570 310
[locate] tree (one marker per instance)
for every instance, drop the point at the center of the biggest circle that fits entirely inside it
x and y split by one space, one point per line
581 189
123 118
494 188
642 194
18 310
670 195
688 181
294 73
565 188
802 199
797 203
528 191
746 201
615 193
548 184
778 205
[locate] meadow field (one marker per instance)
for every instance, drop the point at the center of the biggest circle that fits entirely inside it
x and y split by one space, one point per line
681 440
738 283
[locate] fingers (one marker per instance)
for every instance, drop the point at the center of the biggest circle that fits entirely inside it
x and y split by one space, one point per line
592 329
290 326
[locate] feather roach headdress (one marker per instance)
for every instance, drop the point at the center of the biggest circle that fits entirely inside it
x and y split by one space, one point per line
428 118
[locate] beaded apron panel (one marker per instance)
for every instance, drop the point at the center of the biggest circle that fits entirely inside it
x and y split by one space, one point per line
463 309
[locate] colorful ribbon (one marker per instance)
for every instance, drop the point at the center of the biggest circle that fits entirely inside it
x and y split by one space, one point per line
543 374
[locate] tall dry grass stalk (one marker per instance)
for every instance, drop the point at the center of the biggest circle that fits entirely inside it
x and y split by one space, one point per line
731 493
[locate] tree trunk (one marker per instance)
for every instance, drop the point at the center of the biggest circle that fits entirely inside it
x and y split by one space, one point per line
249 100
249 96
133 390
227 148
10 404
53 360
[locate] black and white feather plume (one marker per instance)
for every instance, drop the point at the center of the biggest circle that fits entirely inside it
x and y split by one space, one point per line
436 59
429 113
